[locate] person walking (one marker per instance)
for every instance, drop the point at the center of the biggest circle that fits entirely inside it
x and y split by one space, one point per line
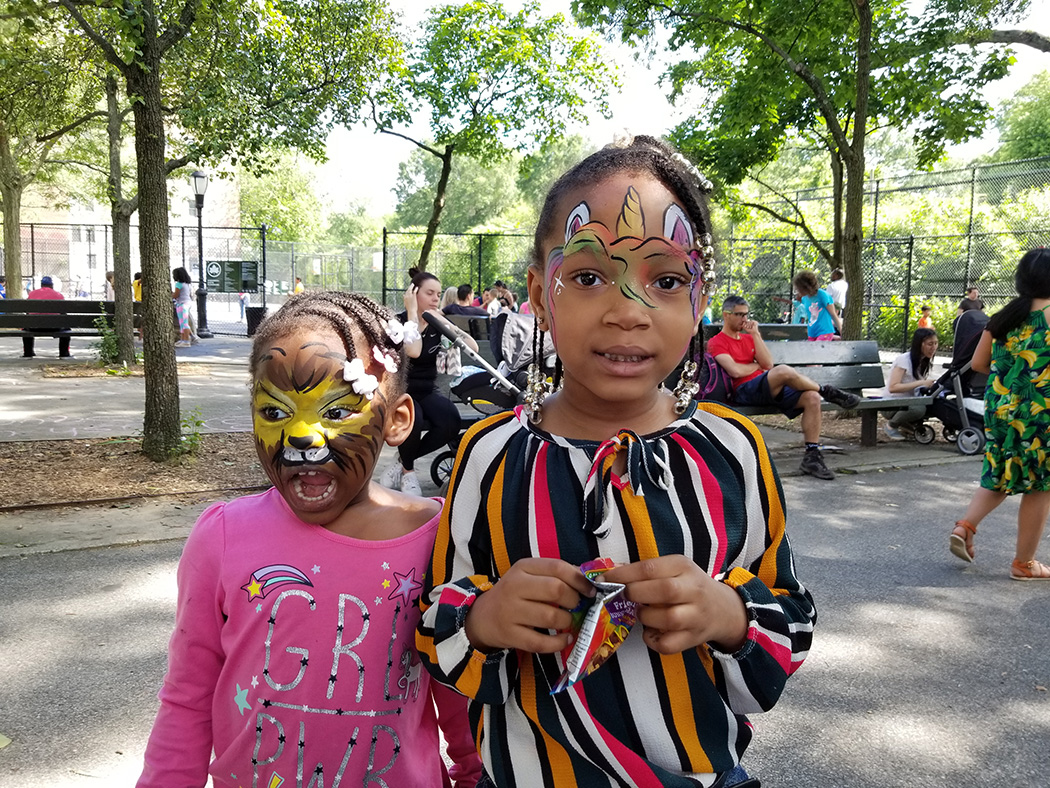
1015 349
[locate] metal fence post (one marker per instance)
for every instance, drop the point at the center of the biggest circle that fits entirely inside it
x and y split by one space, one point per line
481 260
384 265
969 226
907 294
262 235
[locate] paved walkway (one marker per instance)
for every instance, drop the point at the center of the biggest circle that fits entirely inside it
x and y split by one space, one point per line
214 379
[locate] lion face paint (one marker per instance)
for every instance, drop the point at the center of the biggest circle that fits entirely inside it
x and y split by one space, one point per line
317 438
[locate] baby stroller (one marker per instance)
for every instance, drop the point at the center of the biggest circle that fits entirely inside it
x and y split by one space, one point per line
491 389
956 393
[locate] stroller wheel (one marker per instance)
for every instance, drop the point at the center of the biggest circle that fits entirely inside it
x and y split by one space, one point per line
970 441
949 435
924 434
441 467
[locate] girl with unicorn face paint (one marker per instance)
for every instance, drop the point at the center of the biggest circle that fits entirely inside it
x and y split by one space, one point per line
293 657
680 497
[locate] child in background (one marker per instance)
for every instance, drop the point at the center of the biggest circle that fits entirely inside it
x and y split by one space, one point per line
682 496
292 657
822 318
926 321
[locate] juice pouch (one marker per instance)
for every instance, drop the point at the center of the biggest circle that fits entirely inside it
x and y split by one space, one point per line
599 625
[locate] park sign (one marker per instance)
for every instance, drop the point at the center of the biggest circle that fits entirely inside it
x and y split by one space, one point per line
232 276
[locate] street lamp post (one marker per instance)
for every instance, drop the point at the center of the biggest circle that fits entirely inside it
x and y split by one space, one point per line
199 180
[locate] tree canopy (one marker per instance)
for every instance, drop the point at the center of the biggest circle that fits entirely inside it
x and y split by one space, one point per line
1024 121
827 74
493 82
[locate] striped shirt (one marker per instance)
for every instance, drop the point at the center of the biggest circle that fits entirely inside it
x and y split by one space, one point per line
704 487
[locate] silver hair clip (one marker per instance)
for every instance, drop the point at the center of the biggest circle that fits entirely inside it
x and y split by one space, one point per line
706 187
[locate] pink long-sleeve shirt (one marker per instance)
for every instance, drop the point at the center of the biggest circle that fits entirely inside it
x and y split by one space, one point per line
293 661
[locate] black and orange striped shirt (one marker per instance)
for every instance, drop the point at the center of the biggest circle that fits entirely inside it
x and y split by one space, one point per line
703 487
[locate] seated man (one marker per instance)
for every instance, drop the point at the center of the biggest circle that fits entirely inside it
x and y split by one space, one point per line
740 351
46 292
465 303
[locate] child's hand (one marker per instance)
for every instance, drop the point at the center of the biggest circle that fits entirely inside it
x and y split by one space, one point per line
681 606
536 593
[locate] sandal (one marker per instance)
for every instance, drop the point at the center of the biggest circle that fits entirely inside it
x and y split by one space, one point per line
1029 570
961 545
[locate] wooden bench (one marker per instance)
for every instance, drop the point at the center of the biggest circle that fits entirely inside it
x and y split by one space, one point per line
770 331
852 366
54 318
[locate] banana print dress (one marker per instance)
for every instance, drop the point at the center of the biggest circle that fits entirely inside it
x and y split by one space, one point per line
1016 414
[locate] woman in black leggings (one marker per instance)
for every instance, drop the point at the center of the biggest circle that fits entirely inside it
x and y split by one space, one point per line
437 419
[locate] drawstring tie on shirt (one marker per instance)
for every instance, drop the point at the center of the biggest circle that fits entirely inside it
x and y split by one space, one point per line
646 464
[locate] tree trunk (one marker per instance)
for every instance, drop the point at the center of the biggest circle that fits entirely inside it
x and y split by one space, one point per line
836 197
439 205
11 199
120 214
12 204
852 158
161 426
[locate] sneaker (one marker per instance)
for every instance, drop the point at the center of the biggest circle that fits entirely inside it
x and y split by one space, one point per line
195 341
410 484
182 343
68 357
893 433
392 476
836 396
813 464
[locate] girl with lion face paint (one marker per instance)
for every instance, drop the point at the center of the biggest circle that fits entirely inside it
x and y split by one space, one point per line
293 652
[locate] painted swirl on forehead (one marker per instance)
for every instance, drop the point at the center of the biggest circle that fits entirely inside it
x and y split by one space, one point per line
629 251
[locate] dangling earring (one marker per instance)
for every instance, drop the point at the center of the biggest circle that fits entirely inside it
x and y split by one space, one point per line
687 384
536 387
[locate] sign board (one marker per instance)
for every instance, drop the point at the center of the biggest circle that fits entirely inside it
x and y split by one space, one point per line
232 276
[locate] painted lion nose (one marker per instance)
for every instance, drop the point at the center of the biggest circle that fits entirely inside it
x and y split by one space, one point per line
302 443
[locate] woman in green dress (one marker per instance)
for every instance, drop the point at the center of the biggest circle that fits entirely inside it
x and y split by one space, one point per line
1015 349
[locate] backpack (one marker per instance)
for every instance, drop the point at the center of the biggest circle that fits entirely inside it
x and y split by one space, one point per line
715 383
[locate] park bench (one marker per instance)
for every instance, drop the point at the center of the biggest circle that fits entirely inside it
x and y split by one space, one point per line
852 366
770 331
44 316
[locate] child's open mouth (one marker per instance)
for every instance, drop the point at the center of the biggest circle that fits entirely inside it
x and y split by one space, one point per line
313 486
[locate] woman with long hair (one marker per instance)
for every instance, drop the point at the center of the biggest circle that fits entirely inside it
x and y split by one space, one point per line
1015 350
437 419
911 371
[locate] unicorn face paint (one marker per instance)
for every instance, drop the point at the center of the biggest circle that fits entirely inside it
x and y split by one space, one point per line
622 283
318 438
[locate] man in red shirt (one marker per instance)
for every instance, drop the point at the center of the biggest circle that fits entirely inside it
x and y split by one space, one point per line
46 292
740 351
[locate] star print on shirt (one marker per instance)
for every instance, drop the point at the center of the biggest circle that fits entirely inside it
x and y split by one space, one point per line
406 585
386 583
385 565
255 682
316 568
241 699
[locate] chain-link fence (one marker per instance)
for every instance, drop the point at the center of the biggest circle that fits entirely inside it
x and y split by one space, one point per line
456 259
77 257
900 276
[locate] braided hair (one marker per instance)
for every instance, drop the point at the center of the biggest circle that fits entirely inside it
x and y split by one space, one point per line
340 312
643 155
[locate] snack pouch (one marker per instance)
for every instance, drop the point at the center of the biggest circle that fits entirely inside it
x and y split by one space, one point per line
599 625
